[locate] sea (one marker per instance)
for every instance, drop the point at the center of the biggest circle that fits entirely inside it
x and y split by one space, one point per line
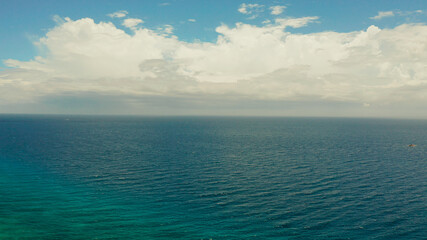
130 177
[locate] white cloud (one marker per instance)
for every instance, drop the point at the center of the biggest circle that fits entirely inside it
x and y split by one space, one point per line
118 14
295 22
409 13
58 20
165 30
375 66
400 13
381 15
250 9
132 22
276 10
192 20
266 21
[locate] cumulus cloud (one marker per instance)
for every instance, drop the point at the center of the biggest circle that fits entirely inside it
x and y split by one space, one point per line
192 20
132 22
118 14
276 10
266 63
382 15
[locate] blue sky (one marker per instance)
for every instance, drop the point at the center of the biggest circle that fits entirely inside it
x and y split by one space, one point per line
24 21
225 57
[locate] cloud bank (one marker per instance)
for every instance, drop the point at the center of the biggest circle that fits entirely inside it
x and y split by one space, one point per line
247 63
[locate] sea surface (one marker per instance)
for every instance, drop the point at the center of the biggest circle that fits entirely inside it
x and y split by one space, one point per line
104 177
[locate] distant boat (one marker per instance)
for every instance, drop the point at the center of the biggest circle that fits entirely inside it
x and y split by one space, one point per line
412 145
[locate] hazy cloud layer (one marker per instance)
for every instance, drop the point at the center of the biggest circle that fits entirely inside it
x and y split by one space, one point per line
247 63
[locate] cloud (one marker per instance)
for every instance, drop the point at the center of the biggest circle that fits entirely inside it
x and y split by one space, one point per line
295 22
251 9
382 67
165 30
408 13
118 14
191 20
58 20
131 22
400 13
382 15
276 10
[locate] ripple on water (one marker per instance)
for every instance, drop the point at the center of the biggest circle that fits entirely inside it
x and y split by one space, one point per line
212 178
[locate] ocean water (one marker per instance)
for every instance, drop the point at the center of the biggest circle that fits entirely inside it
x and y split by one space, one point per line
83 177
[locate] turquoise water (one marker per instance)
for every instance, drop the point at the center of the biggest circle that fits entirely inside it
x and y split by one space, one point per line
81 177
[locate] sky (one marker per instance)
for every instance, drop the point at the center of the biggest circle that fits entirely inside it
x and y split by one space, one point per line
225 57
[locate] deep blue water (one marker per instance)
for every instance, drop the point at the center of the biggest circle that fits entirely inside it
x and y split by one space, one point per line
81 177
